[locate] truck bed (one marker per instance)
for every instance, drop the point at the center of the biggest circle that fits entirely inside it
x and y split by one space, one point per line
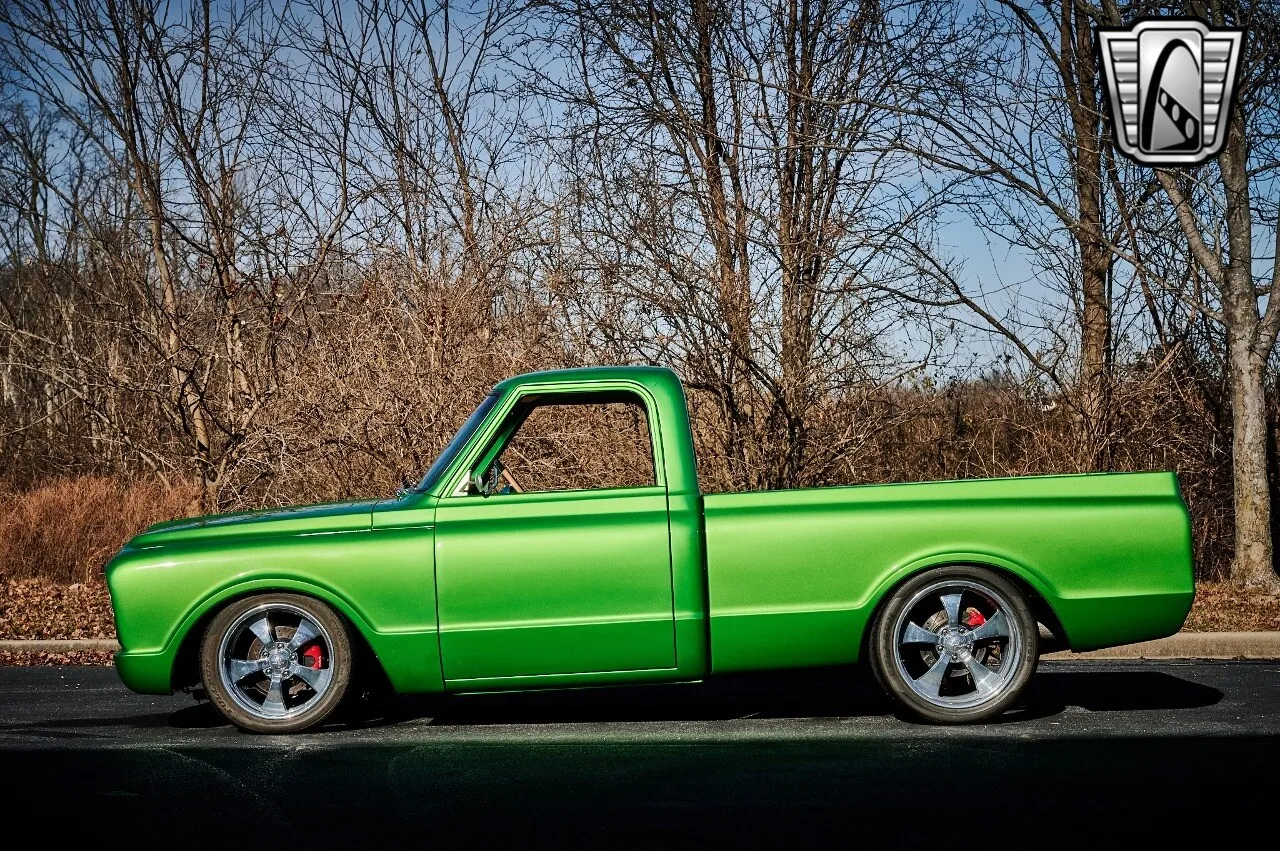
793 576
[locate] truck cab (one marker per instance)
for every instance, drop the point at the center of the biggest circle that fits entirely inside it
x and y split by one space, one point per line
557 561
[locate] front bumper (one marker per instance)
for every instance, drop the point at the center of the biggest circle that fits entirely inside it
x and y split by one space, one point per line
147 673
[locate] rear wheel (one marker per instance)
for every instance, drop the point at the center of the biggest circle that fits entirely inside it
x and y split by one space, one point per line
955 645
276 663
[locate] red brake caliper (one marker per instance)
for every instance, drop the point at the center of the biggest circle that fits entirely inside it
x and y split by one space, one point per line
312 656
974 619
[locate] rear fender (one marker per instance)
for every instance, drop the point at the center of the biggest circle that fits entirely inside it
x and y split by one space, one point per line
1033 578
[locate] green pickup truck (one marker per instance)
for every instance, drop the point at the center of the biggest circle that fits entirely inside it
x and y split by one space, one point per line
520 564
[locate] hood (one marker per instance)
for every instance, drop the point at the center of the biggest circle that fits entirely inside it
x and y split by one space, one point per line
348 516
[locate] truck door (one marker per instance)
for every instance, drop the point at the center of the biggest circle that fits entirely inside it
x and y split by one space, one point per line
558 561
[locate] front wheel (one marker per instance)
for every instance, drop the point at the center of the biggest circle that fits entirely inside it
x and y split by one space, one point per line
955 645
276 663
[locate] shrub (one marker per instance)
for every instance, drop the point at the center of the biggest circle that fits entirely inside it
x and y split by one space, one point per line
66 529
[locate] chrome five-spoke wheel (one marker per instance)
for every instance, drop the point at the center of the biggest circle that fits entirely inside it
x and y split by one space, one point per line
956 644
276 663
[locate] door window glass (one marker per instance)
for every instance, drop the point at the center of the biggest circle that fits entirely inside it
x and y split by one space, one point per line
579 447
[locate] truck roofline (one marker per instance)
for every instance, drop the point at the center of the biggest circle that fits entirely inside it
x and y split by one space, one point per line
640 374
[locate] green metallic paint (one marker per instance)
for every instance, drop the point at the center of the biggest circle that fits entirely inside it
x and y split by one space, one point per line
626 620
651 584
380 580
554 583
298 520
1111 554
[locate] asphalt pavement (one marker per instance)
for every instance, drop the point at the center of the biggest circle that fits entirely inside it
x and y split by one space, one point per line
1101 754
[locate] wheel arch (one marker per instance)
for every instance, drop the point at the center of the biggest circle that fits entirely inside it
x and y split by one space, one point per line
1029 584
185 671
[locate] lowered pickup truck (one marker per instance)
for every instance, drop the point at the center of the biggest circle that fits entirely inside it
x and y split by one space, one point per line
481 578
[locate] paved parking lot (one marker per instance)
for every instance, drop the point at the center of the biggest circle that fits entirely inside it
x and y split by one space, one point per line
1102 751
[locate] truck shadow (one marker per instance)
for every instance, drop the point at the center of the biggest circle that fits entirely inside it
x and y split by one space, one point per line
837 693
1118 691
824 693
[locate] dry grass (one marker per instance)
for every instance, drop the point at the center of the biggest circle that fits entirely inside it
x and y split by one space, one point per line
1226 607
66 529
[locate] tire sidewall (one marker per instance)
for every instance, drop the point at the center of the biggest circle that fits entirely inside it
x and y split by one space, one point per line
883 645
340 661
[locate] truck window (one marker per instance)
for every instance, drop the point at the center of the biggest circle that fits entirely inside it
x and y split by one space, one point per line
580 446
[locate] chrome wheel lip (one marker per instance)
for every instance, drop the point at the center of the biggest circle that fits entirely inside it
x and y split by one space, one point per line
270 657
997 683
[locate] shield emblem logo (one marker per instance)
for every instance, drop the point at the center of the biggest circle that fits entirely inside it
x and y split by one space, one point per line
1170 86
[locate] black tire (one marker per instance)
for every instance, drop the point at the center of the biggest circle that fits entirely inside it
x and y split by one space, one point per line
959 606
231 640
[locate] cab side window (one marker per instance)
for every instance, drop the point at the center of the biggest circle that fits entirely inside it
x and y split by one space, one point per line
580 446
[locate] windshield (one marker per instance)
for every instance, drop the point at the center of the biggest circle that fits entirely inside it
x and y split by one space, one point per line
455 446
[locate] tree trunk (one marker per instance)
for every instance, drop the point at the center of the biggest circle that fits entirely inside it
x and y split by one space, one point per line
1251 338
797 248
725 228
1080 72
1252 566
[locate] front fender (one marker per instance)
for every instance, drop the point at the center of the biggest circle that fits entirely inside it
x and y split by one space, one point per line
381 581
151 670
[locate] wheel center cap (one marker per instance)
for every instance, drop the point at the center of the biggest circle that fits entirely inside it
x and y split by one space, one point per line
954 640
277 660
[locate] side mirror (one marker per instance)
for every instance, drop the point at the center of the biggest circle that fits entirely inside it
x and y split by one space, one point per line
487 482
406 488
493 482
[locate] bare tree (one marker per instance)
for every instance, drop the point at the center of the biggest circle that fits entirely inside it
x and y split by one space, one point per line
742 193
1013 106
451 184
282 249
1219 208
173 97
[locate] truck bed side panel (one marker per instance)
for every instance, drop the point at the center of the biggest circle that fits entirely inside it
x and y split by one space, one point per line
794 576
